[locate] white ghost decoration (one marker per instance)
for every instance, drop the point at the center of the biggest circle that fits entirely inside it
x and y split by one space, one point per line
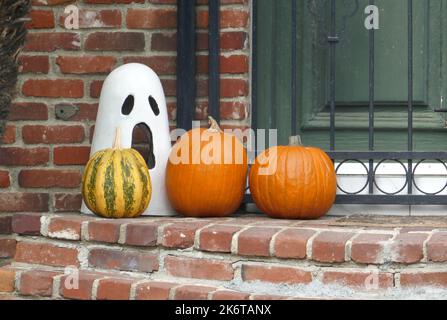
132 94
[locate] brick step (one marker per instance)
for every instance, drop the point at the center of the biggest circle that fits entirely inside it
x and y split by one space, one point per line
53 283
5 296
249 236
247 254
31 282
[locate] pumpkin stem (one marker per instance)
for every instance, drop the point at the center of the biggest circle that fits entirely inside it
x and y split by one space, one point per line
295 141
117 142
213 124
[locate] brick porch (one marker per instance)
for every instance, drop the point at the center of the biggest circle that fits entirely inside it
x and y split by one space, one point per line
243 257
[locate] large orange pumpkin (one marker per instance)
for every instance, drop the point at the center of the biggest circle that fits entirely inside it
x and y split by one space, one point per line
293 182
206 173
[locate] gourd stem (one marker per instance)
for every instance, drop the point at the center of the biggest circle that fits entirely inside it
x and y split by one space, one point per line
117 142
213 124
295 141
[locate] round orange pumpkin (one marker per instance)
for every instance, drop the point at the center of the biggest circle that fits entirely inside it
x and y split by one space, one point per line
293 182
206 173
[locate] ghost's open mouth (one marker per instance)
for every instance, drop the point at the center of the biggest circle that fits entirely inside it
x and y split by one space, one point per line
142 141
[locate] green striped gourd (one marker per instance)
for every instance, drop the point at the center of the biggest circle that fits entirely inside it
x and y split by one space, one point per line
116 182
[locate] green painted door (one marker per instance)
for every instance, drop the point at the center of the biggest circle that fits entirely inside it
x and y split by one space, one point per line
352 73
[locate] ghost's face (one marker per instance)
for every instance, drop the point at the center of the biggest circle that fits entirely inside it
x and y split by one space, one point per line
131 96
128 107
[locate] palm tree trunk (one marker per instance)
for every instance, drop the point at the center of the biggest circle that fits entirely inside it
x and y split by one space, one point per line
12 38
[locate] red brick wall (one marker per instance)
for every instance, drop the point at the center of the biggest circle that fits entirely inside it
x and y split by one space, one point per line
41 156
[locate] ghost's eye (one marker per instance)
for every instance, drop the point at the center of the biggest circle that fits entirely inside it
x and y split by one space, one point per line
127 107
154 106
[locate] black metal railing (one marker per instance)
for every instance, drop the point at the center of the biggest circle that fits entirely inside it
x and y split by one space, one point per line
370 160
186 62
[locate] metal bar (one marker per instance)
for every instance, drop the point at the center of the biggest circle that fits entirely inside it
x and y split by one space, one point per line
410 93
254 71
371 106
273 63
392 199
383 199
186 63
294 119
213 61
332 39
379 155
410 75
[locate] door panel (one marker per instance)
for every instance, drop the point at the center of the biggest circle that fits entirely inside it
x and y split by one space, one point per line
274 74
391 66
